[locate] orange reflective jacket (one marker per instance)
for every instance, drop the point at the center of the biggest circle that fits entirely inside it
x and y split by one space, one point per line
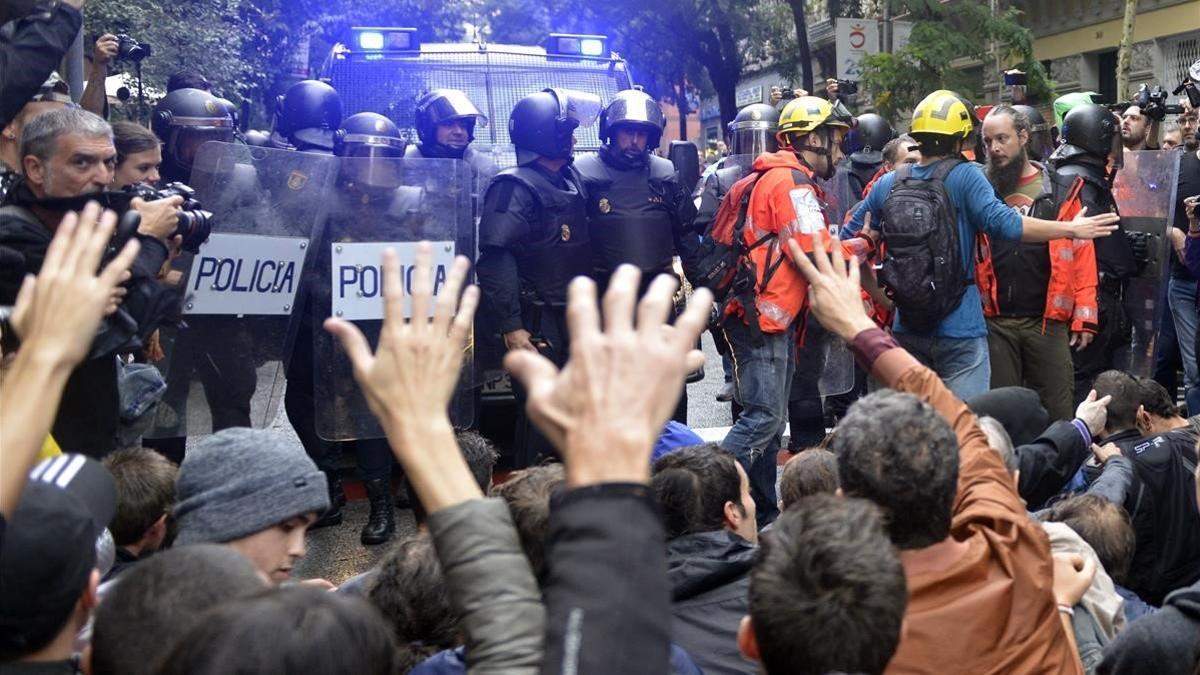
785 203
1071 293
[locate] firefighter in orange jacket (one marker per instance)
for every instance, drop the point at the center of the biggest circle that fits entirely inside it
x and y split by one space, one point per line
1039 299
760 324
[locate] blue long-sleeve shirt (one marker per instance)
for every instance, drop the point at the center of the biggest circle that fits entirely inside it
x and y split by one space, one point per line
979 211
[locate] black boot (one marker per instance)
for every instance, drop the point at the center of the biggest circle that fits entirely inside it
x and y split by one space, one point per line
381 522
337 499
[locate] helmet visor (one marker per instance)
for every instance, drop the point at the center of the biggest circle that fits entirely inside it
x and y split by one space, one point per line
641 110
452 105
369 169
579 106
753 139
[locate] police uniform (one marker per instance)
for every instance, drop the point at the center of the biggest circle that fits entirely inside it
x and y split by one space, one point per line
533 239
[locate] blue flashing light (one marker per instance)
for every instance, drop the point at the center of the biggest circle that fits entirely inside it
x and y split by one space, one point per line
370 40
591 47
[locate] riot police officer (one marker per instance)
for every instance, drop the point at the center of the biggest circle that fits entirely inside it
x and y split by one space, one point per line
184 120
866 151
1040 142
752 132
533 237
306 116
638 213
446 121
1090 137
370 145
213 349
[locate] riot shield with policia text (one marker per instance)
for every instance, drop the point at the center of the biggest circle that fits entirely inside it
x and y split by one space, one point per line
1144 189
379 203
224 363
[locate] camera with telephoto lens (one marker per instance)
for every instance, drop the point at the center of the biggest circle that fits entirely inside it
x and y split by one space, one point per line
129 49
1191 85
847 87
195 224
1151 101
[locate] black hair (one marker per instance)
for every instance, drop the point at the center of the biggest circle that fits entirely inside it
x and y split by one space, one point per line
1126 397
827 593
692 486
1154 398
1105 526
481 456
410 591
898 452
936 145
811 472
286 631
160 599
528 493
145 491
188 79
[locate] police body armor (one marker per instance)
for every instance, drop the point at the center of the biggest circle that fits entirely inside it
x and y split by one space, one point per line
630 212
1114 258
713 188
558 248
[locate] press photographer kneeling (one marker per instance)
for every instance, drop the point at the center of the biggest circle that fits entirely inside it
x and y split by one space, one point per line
67 159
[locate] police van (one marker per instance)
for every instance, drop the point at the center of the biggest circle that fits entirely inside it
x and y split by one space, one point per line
385 70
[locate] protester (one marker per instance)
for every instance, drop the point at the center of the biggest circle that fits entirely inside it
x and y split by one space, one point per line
827 593
708 514
48 575
159 601
971 554
250 489
811 472
145 495
139 155
409 590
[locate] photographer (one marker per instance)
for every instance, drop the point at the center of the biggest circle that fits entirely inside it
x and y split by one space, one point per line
1138 130
68 154
95 94
33 39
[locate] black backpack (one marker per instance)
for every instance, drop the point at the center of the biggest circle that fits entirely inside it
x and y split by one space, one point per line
923 270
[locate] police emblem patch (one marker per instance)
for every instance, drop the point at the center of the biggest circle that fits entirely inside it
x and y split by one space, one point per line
296 180
210 106
604 205
566 232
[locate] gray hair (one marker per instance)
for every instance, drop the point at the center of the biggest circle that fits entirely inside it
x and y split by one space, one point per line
894 147
41 133
1000 441
1168 127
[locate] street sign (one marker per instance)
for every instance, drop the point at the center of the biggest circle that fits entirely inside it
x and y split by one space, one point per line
855 39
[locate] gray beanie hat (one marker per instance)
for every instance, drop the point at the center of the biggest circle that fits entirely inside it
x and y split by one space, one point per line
241 481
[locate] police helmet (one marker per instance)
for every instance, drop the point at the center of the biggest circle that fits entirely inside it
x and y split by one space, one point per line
184 120
543 124
368 135
868 137
445 105
1092 128
307 115
635 108
1040 144
752 131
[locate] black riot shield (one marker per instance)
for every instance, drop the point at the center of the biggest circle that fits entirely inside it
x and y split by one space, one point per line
224 363
1145 193
376 204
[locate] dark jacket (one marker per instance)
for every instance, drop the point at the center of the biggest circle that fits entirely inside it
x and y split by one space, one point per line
608 608
30 49
710 586
1164 643
90 410
1162 506
1046 456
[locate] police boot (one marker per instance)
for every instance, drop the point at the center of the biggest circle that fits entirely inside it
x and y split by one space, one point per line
381 522
337 499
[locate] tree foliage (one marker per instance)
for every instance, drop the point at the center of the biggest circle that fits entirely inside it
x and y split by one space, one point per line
943 35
